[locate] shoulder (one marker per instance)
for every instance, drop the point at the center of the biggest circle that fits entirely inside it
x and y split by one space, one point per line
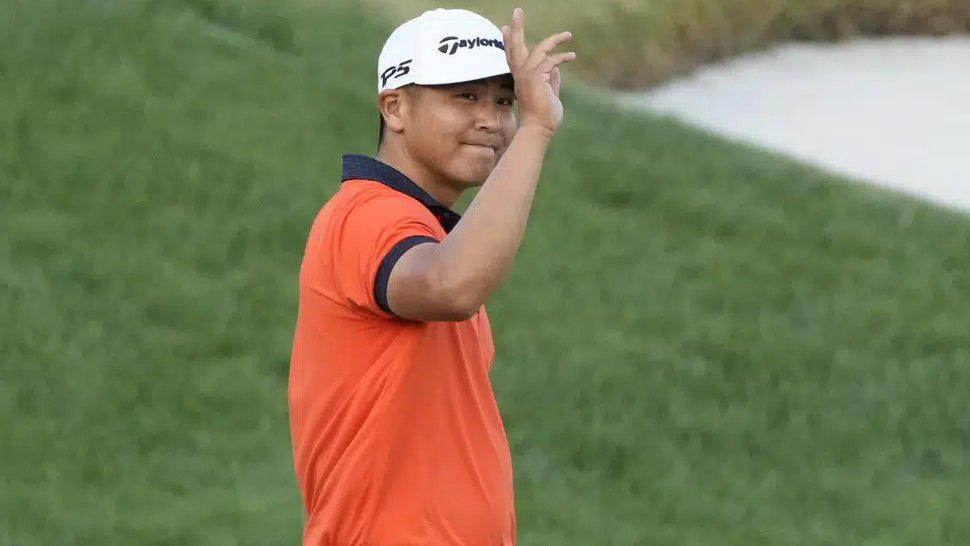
370 195
360 200
370 206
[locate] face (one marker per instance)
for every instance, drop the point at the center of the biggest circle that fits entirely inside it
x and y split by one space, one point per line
459 131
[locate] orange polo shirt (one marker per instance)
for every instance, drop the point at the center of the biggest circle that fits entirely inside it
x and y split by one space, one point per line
397 439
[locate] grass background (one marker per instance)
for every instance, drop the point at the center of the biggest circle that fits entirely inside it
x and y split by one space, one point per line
627 44
700 343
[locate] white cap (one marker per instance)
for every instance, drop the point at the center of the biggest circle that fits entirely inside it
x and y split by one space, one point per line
441 46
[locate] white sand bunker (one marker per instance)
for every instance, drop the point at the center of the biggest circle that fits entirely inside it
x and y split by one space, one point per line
895 112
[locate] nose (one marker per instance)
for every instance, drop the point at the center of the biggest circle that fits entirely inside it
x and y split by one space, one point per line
488 117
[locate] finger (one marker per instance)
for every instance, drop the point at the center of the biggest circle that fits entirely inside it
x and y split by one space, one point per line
550 43
520 51
511 49
553 61
540 51
507 42
555 79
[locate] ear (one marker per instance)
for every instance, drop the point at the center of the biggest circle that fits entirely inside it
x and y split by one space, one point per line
393 105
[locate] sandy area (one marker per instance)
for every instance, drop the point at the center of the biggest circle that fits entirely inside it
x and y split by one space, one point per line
895 112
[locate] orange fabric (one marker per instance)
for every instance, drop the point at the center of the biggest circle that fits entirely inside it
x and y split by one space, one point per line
397 439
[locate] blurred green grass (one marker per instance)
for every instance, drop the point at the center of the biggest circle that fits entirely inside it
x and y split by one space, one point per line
700 343
629 44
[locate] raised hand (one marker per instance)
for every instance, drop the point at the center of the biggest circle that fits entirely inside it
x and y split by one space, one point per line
536 74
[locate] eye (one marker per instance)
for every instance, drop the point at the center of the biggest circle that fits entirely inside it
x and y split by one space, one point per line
469 96
506 102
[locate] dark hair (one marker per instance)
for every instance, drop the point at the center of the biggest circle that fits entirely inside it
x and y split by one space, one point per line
380 134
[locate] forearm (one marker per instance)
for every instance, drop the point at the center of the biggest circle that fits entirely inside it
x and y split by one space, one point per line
478 253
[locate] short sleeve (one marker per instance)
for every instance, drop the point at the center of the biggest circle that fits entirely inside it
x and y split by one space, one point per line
377 229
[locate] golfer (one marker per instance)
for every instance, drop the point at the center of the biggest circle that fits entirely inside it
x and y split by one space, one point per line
397 439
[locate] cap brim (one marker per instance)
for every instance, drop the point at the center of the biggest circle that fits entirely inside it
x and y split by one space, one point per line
474 73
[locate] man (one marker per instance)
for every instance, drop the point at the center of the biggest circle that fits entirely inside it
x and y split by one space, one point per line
396 436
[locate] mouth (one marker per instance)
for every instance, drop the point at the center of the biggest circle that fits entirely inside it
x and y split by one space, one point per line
491 150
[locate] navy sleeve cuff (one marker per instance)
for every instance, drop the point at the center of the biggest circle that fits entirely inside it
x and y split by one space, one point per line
387 264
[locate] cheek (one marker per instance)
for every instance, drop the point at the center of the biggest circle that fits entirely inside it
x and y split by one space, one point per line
427 139
509 126
440 132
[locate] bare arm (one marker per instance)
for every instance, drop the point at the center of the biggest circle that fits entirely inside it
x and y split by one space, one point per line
480 249
482 246
451 280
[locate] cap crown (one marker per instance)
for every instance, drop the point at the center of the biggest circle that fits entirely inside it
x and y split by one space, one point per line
441 46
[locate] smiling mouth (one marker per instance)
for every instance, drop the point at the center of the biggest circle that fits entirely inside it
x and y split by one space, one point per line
483 147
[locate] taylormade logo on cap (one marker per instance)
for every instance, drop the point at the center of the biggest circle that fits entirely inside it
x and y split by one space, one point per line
439 47
453 43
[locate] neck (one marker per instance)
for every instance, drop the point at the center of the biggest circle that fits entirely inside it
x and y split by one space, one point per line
426 179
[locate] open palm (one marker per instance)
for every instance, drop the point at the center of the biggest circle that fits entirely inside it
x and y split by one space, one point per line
536 73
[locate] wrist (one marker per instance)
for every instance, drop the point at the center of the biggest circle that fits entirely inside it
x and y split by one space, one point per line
537 131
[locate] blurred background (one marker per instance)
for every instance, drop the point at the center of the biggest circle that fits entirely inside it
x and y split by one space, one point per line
701 342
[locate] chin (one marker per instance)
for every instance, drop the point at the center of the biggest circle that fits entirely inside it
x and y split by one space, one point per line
476 178
473 176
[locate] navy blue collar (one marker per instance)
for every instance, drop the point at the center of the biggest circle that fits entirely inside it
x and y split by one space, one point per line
357 167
